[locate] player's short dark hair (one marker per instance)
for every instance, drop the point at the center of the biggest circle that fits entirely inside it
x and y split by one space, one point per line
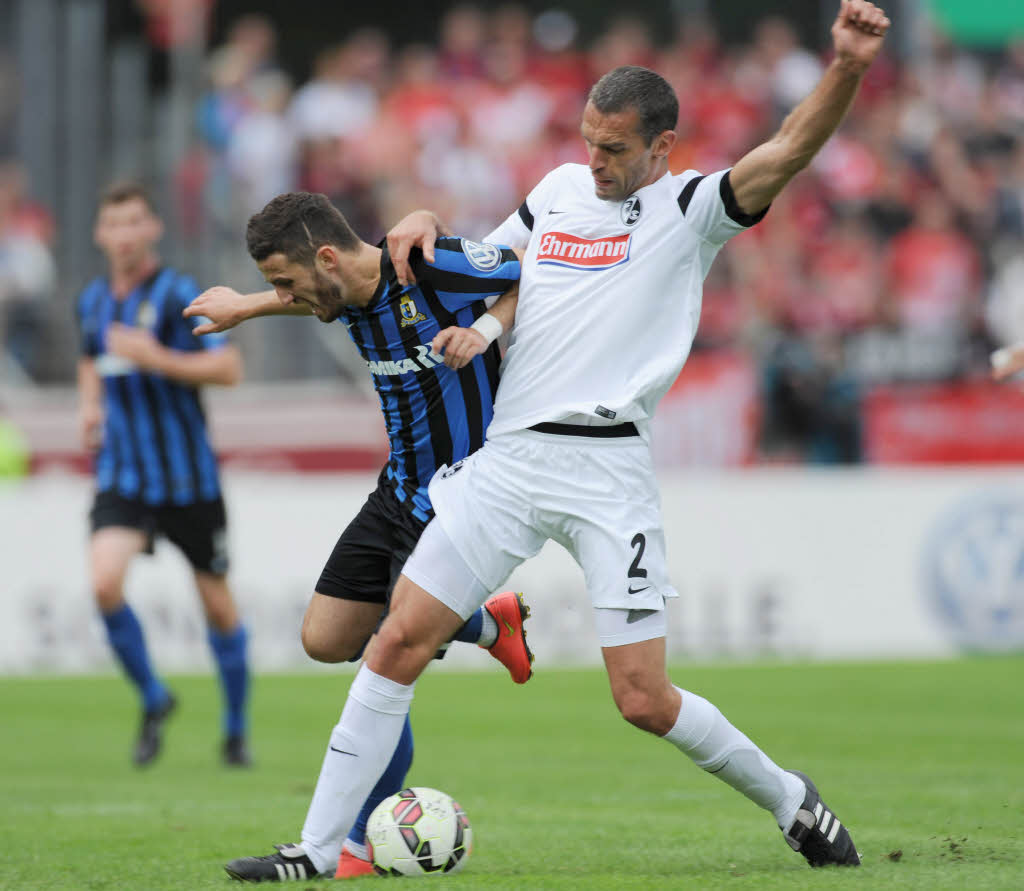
631 86
126 190
297 224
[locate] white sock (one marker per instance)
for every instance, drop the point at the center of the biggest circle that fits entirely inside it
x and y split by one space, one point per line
488 630
361 746
356 849
702 732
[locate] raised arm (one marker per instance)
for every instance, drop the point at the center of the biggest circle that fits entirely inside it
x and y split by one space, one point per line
225 307
760 175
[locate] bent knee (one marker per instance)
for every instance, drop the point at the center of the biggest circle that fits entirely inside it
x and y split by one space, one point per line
328 648
108 591
646 712
401 643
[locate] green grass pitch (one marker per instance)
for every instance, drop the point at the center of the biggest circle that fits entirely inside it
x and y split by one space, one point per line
925 763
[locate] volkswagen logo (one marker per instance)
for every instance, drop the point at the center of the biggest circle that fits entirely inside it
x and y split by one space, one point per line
974 571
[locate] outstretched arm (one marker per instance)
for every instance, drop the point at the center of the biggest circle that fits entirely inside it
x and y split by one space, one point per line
225 307
760 175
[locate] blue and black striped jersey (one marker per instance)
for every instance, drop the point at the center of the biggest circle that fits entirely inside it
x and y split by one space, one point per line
433 415
155 446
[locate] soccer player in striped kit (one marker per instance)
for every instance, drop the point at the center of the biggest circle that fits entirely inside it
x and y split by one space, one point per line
436 411
156 473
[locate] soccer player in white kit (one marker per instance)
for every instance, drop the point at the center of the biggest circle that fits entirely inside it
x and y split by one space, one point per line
609 299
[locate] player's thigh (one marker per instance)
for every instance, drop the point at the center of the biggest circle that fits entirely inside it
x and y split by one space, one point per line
119 531
437 568
616 533
199 531
335 629
416 625
486 505
354 586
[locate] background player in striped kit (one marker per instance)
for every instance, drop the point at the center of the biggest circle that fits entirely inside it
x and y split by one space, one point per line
156 473
436 412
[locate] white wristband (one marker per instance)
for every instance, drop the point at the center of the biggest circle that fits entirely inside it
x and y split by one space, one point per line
1001 358
489 326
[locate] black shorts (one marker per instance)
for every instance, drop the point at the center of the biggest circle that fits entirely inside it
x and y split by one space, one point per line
199 530
371 552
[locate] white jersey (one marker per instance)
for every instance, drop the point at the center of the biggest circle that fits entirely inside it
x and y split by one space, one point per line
610 294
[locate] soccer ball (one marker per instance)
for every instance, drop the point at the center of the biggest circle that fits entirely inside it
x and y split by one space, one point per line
418 832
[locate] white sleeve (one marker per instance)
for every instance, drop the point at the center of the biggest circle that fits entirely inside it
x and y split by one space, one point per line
518 227
514 231
709 205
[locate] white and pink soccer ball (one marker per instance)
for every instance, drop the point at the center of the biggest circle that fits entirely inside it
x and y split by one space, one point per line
417 832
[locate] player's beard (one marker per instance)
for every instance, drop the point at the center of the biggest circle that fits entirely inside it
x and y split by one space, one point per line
328 296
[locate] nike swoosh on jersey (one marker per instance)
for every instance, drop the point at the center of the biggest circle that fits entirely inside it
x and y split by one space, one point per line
633 590
556 211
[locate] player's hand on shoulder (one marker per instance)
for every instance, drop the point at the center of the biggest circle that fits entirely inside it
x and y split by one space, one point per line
220 307
419 229
859 30
458 346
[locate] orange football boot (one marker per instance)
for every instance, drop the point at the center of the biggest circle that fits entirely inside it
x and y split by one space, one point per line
352 867
510 649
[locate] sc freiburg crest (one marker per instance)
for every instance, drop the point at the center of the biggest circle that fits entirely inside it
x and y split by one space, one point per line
630 210
482 256
410 315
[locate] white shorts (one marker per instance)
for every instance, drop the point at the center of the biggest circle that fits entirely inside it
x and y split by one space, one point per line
598 498
436 567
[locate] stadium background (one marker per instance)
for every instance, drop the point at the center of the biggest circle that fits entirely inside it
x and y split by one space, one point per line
840 477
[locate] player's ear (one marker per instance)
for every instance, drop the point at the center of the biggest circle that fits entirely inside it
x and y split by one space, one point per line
663 143
326 258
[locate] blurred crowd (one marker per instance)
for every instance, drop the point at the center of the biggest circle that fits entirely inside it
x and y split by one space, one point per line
898 257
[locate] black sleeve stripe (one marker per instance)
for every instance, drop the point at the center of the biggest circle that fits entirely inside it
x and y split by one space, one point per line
733 209
460 283
526 216
416 262
686 195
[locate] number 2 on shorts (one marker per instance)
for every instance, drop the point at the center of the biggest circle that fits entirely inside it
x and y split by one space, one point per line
635 570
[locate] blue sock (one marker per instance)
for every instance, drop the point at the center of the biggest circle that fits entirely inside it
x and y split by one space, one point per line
471 631
125 635
391 781
229 650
